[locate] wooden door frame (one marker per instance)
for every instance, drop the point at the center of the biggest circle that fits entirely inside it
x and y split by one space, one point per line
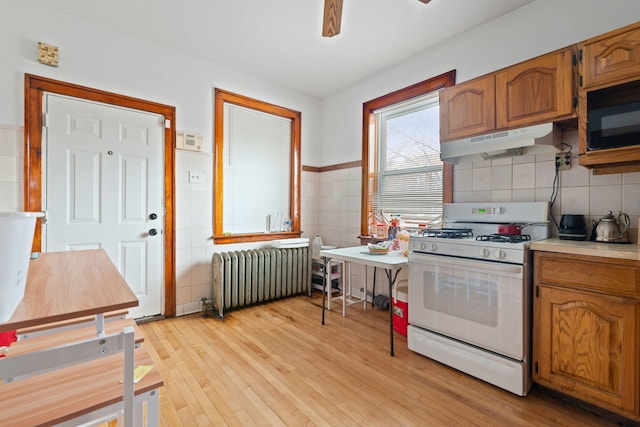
34 89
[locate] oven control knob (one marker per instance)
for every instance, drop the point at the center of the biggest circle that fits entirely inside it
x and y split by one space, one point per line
484 252
500 254
433 247
423 246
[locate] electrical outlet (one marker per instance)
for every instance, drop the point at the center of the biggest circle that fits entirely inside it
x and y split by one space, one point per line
563 160
195 177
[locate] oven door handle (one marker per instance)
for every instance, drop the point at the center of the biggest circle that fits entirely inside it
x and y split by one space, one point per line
459 262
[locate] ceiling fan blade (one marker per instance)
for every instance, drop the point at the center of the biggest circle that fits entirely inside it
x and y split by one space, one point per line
332 18
425 1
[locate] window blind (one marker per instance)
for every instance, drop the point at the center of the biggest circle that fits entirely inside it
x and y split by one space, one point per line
257 149
404 157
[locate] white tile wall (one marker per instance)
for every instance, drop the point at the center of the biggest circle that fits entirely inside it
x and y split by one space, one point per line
194 228
532 179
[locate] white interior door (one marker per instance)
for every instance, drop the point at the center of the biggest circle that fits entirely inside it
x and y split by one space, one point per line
104 188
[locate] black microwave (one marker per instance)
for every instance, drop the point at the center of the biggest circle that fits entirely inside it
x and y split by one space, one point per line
613 126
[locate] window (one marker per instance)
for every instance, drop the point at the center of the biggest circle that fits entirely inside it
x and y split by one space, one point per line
257 175
402 171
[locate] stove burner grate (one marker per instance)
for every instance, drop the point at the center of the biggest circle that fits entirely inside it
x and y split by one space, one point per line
504 238
449 233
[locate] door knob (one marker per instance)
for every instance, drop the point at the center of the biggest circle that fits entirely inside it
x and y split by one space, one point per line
153 216
153 232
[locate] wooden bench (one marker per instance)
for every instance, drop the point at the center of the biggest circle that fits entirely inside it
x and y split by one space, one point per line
70 336
65 325
97 387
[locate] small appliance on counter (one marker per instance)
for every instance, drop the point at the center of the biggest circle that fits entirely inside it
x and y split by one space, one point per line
572 227
612 229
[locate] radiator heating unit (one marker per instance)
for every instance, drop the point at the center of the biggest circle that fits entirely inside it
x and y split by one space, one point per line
243 278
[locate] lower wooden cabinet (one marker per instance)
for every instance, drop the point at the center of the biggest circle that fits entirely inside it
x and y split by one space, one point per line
586 342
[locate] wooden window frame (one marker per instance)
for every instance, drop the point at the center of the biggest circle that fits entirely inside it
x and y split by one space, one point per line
220 98
415 90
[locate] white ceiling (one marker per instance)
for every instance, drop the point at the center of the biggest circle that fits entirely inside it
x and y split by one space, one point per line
280 40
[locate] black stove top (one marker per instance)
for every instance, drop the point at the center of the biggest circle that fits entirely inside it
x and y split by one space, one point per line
506 238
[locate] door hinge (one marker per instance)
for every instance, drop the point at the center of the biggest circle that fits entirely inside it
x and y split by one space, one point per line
167 124
580 55
580 81
45 120
535 367
575 101
574 59
537 291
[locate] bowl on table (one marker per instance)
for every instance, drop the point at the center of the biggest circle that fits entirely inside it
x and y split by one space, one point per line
378 248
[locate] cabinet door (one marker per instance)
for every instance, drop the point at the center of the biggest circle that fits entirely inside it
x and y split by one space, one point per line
586 345
468 109
611 58
536 91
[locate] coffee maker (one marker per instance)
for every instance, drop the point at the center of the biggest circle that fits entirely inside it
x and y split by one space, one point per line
572 227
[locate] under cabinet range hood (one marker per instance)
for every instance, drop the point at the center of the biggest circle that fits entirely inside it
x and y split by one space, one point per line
543 138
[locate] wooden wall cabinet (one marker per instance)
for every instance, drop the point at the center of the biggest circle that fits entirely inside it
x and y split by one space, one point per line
539 90
611 58
586 329
609 69
468 109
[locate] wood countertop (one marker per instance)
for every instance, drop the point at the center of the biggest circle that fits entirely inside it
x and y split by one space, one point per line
66 285
628 251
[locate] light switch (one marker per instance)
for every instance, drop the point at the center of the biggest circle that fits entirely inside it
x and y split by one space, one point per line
195 177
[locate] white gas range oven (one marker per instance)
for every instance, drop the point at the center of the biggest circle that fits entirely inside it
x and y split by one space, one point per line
470 290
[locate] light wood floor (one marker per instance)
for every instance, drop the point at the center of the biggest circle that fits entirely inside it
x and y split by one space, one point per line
274 364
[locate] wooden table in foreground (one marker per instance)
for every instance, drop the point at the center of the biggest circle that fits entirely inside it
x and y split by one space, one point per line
392 263
66 285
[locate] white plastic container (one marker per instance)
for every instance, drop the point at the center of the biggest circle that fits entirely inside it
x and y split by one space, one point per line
316 246
16 238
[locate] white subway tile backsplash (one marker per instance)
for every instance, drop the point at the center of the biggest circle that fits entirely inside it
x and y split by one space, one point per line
546 157
575 200
523 195
607 179
531 158
481 196
631 178
481 179
502 161
631 199
463 179
603 198
462 196
524 175
577 176
544 195
501 195
501 178
545 173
